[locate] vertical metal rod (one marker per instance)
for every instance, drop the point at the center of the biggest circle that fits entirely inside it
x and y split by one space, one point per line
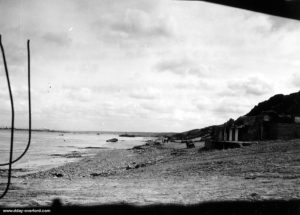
12 122
29 109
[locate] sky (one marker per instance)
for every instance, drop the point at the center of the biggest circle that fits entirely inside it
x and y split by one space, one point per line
142 65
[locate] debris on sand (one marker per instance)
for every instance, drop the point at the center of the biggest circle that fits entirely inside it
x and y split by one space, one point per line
94 147
73 154
102 174
139 147
189 144
252 177
255 196
57 175
128 167
134 165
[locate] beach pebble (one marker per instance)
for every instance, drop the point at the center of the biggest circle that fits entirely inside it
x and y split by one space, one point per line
33 203
250 177
129 167
255 195
57 175
103 174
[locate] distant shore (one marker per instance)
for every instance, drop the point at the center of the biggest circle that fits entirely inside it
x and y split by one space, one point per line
135 133
167 173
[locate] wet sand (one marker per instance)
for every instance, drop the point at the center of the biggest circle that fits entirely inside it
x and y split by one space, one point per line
165 174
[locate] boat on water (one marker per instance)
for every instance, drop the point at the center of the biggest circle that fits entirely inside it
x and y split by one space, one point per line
126 135
113 140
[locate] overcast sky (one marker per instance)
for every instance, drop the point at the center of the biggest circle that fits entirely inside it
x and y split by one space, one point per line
143 65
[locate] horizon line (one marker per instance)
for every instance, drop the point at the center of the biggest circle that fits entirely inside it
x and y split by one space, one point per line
81 131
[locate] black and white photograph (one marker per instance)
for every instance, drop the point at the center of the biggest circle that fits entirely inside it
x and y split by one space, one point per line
149 102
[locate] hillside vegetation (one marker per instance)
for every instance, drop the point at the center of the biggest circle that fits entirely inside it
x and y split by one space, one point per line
281 104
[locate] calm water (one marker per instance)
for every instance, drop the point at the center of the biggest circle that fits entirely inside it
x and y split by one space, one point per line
43 144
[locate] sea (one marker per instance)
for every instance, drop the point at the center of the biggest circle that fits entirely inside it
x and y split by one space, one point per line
45 146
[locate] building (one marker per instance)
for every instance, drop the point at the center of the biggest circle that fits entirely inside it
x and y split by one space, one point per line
267 126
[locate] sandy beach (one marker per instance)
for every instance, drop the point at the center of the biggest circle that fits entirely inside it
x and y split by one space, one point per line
167 173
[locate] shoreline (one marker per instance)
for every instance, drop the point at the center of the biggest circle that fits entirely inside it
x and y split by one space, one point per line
167 173
52 150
